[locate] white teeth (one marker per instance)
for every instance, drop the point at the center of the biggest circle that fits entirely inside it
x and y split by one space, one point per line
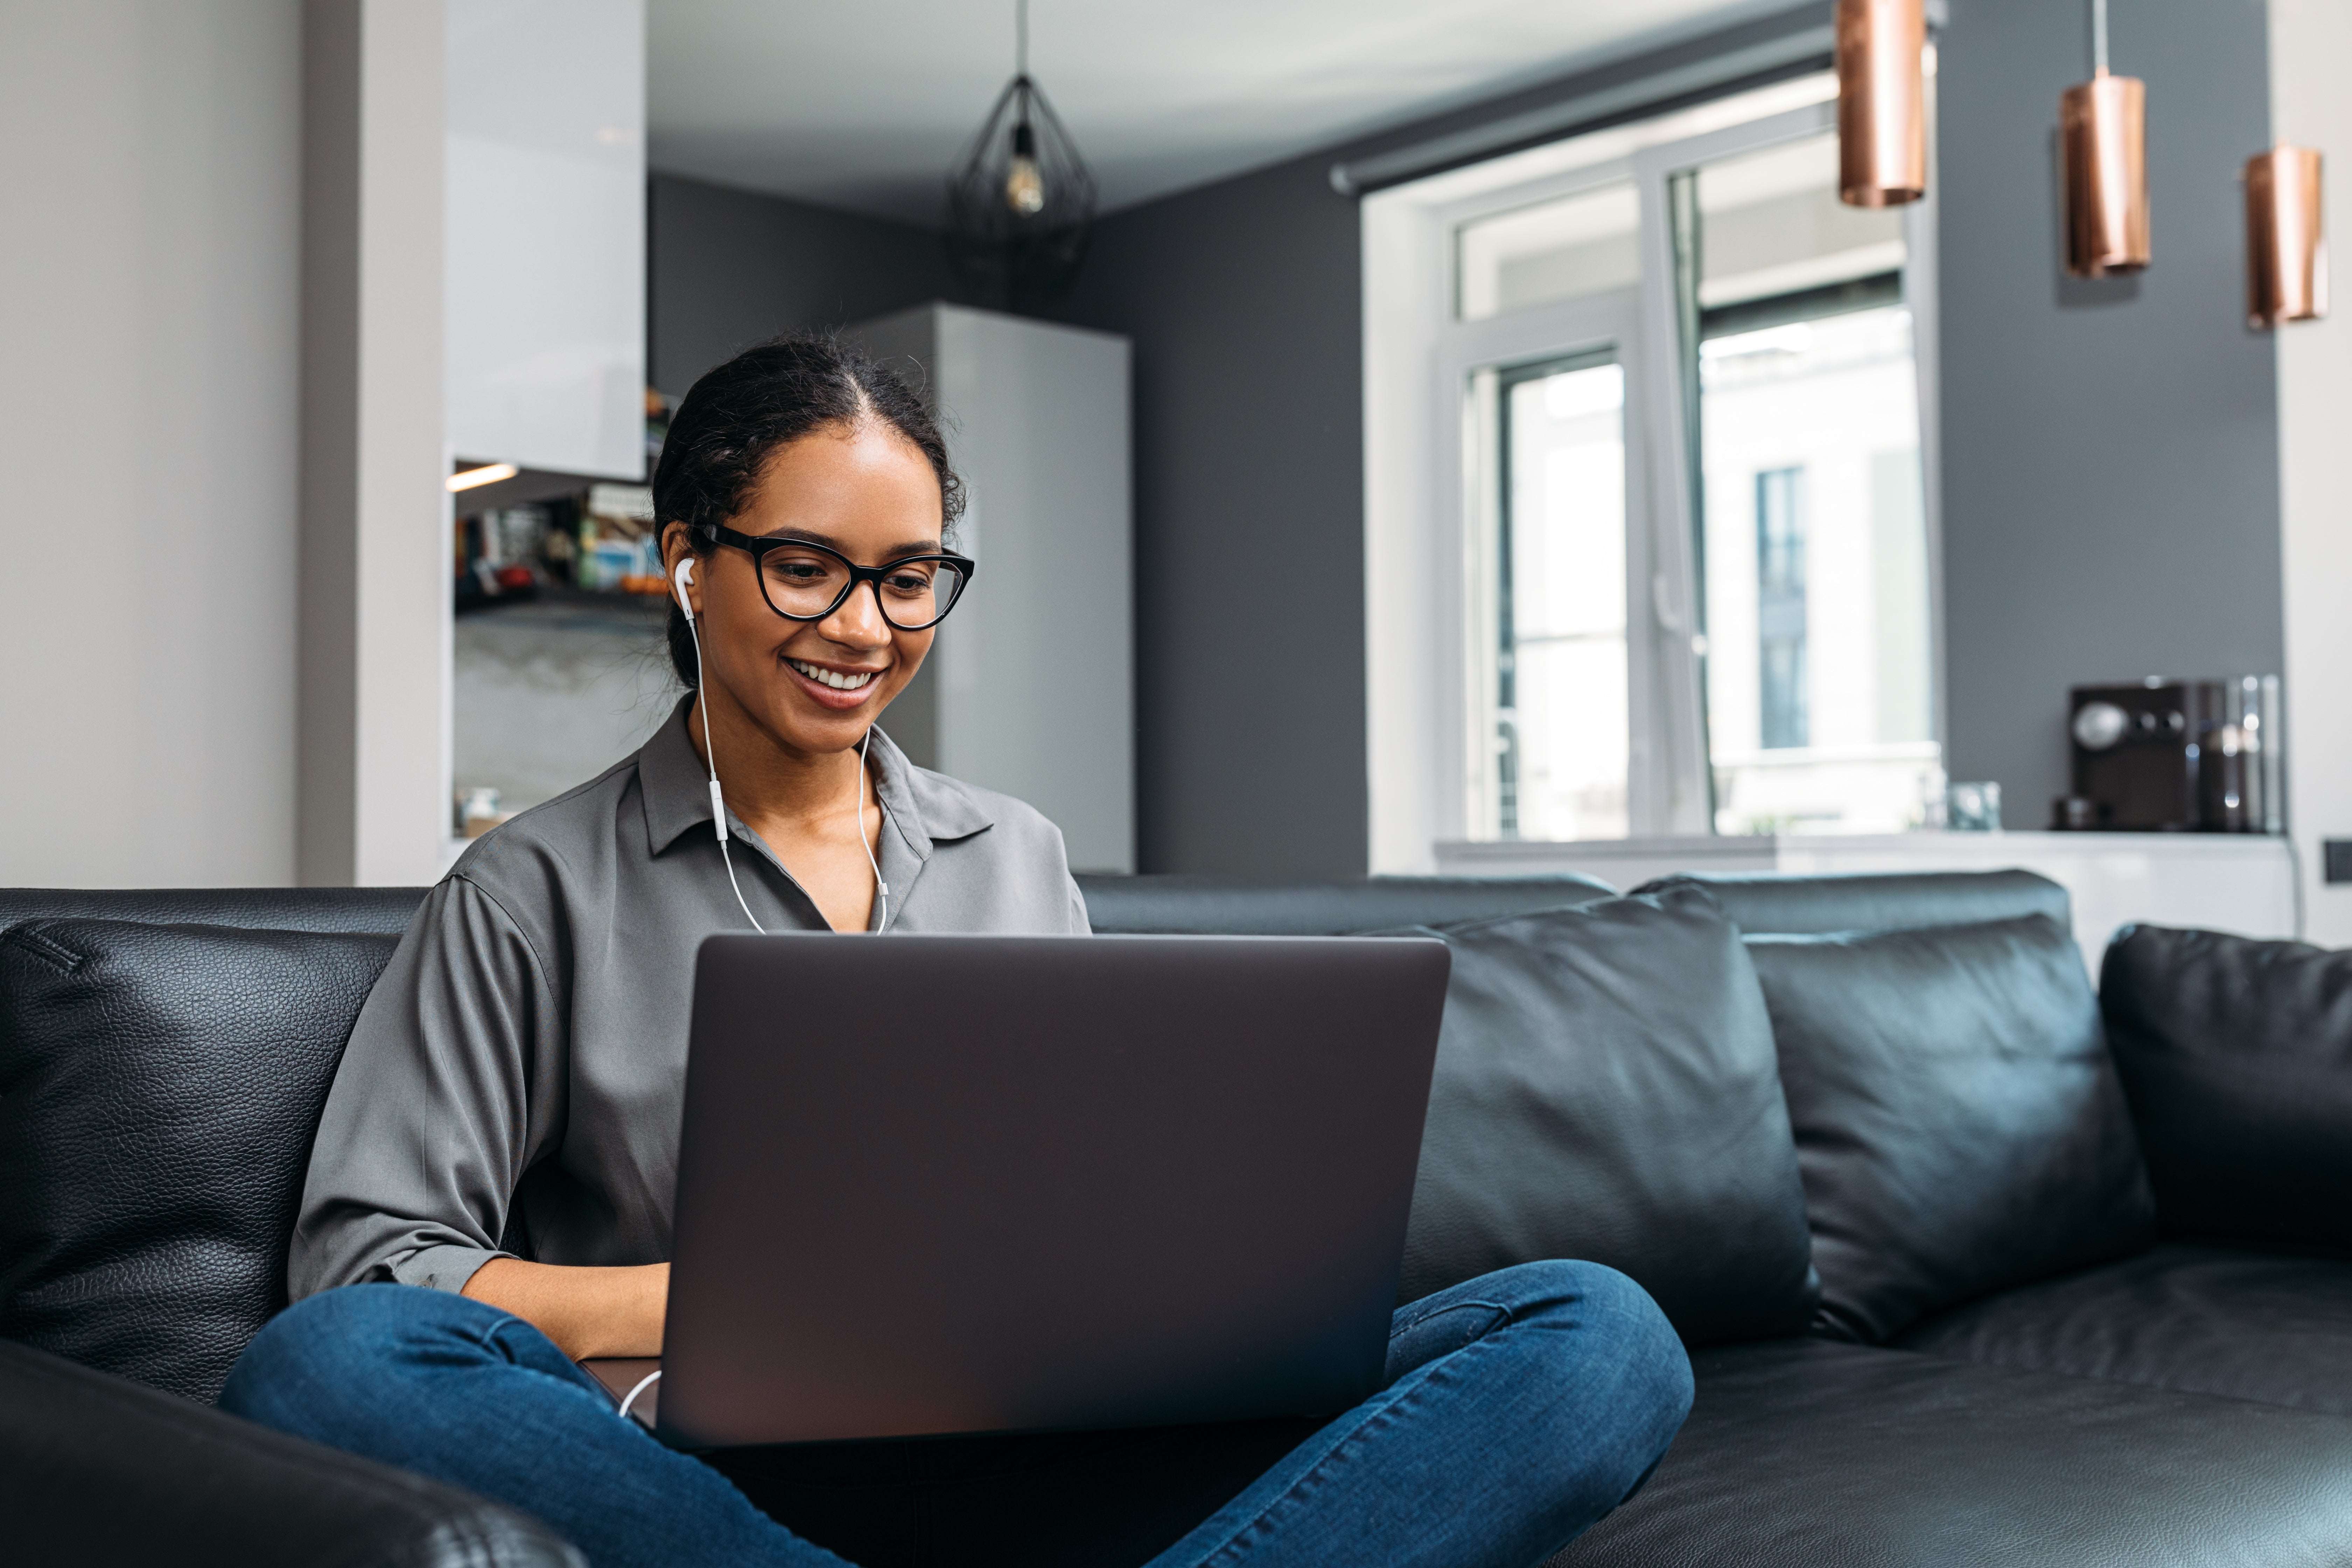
833 678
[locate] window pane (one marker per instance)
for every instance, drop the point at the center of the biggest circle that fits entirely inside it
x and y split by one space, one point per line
1774 225
1554 670
1816 577
1814 536
1553 251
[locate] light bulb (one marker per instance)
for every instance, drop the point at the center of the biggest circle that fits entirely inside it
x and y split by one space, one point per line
1024 188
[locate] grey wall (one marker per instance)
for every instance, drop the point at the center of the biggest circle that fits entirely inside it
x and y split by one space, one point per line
1240 300
729 268
2111 503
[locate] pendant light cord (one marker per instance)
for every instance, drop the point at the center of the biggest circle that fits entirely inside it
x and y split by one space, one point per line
1021 36
2098 37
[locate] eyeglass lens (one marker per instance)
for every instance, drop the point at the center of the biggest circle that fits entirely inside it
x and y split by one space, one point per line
808 584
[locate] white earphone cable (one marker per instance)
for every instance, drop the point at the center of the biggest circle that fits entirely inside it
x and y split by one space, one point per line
643 1383
881 887
718 801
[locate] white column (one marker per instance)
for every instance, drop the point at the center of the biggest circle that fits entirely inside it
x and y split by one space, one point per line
375 595
2310 42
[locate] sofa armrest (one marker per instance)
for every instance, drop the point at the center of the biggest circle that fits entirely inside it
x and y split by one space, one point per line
94 1468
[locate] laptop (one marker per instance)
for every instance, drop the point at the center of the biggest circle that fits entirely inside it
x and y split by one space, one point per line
949 1184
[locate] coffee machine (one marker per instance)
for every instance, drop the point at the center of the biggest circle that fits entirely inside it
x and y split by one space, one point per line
2174 756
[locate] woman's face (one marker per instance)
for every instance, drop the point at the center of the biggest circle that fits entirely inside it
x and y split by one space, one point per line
867 491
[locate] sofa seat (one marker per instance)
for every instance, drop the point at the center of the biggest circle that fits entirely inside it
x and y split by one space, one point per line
1817 1453
2201 1320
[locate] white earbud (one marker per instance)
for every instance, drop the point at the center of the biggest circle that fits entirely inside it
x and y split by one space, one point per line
681 581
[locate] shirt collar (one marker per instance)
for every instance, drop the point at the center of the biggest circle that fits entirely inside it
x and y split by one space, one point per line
924 807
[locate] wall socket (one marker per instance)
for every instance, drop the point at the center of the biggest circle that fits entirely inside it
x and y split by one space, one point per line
2337 853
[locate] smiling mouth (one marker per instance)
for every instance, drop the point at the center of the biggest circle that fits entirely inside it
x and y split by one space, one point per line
839 679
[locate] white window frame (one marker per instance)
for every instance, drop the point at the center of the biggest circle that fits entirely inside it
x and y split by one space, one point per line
1418 539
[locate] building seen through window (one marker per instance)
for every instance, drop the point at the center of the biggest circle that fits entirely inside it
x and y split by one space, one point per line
1779 610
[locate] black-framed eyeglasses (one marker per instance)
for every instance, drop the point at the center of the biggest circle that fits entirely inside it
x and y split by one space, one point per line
806 582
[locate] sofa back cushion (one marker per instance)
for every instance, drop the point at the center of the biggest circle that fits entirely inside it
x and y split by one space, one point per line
2237 1056
1957 1116
1605 1088
159 1089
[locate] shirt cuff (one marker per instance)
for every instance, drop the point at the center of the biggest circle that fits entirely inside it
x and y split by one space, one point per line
442 1268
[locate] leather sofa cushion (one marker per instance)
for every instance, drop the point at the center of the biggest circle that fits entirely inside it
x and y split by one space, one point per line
1143 905
1605 1088
159 1089
2206 1320
97 1470
1856 1456
1787 903
2237 1056
1957 1116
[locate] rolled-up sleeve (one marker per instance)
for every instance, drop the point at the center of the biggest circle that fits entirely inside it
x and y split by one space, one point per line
449 1089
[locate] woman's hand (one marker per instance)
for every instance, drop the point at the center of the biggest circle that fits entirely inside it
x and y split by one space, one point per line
586 1312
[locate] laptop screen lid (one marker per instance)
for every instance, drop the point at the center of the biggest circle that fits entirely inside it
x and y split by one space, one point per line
933 1184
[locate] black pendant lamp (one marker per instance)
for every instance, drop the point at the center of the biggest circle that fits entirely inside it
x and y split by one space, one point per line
1021 202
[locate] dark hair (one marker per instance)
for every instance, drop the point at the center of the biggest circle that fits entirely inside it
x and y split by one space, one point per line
737 415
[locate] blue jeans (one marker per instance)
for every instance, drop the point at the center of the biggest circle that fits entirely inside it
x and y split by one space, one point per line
1520 1408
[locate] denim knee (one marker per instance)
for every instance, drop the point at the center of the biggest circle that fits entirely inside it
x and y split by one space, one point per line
1628 1336
358 1336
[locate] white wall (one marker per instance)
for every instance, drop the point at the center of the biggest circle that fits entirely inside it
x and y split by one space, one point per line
2311 43
150 313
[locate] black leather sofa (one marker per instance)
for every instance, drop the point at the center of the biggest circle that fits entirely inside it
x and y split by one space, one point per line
1976 1265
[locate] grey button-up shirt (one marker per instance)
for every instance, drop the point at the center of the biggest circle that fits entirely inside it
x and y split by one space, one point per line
514 1081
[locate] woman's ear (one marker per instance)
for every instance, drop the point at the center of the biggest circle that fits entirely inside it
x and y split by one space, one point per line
678 565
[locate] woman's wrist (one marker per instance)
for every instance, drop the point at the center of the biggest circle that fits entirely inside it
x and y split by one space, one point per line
587 1311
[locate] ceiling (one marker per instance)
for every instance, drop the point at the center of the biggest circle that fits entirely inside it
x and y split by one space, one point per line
865 105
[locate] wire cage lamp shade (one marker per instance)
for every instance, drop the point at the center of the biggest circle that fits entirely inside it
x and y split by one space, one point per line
1021 202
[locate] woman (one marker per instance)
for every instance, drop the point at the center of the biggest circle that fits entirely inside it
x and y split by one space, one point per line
489 1195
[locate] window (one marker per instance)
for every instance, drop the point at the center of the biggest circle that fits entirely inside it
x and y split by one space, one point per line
1561 728
1672 574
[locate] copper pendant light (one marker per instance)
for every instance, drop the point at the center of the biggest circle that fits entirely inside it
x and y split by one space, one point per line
2286 245
1882 102
2102 137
